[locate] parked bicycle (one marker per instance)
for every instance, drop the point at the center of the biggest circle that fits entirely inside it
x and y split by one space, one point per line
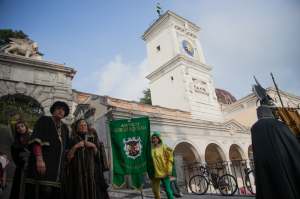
227 184
250 181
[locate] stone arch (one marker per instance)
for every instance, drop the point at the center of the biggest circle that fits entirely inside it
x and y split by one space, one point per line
250 152
236 152
214 152
42 95
189 151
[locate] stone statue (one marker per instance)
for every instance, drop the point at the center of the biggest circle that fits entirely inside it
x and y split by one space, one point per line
22 46
159 10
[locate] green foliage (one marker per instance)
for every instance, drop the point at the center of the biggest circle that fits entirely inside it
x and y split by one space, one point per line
147 97
5 34
26 109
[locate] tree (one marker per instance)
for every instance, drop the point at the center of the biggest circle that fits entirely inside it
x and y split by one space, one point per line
147 97
16 109
5 34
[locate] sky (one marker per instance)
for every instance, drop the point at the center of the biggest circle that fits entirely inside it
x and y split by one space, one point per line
101 40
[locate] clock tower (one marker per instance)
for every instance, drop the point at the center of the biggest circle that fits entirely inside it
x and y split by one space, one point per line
179 77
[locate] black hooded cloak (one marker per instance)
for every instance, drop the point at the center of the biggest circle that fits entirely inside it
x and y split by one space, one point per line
276 155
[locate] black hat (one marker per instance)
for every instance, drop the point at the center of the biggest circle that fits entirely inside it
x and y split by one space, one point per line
60 104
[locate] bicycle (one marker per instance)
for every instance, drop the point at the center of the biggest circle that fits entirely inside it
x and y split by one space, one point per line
227 184
250 181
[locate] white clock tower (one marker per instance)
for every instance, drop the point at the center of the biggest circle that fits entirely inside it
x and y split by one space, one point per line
179 77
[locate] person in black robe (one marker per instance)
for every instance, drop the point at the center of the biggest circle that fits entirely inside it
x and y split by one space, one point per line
276 155
88 164
19 154
47 161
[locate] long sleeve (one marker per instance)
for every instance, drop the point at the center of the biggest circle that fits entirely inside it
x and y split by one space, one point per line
169 160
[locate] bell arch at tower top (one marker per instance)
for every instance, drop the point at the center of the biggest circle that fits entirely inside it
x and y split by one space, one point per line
39 81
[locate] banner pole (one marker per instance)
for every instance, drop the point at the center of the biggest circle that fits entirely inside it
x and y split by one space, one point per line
142 193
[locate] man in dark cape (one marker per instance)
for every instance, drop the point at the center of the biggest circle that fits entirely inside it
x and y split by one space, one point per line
276 155
47 160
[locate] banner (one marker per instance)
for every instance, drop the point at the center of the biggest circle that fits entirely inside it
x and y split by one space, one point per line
131 150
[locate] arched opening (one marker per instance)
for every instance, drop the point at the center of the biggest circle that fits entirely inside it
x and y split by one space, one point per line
238 163
213 153
250 152
235 152
13 109
189 153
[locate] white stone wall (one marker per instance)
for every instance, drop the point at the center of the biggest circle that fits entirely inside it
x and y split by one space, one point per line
159 57
170 93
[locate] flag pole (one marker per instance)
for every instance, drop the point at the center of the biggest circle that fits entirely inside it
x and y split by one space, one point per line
142 193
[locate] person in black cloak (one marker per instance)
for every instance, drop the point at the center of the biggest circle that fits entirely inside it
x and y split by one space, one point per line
19 154
47 160
85 180
276 155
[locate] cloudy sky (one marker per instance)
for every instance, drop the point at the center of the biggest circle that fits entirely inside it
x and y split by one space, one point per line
101 40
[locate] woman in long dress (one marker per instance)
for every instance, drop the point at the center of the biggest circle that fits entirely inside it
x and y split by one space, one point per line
88 164
19 154
163 160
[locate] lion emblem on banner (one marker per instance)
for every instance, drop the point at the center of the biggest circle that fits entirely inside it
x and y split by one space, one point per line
133 147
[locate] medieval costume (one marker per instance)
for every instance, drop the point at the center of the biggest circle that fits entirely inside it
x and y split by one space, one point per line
53 139
163 161
85 180
276 155
20 156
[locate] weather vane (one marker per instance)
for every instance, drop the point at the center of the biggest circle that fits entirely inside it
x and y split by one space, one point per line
159 10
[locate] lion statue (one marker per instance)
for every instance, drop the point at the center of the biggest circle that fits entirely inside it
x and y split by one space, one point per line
23 46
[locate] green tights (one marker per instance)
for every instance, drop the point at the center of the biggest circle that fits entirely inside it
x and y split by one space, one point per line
166 185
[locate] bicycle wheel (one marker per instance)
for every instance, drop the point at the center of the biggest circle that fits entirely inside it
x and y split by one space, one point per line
198 184
250 181
227 185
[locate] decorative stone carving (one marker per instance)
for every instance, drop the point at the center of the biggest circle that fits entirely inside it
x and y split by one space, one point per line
30 89
53 77
214 94
199 85
187 71
21 87
22 46
11 87
231 130
37 92
5 70
3 88
191 87
186 25
38 74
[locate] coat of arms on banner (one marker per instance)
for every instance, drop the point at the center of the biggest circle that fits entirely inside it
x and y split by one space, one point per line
133 147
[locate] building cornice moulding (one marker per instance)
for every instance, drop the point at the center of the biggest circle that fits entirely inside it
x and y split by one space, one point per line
165 19
27 61
176 61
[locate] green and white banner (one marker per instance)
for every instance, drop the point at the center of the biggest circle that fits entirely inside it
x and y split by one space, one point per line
131 150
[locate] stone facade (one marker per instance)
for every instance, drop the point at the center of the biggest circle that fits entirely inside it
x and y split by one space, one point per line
39 81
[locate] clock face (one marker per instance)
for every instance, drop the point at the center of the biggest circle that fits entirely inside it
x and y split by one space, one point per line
188 48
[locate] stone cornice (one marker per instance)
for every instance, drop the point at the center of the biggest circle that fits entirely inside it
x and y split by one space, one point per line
37 63
79 107
174 62
252 97
166 18
159 119
285 94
